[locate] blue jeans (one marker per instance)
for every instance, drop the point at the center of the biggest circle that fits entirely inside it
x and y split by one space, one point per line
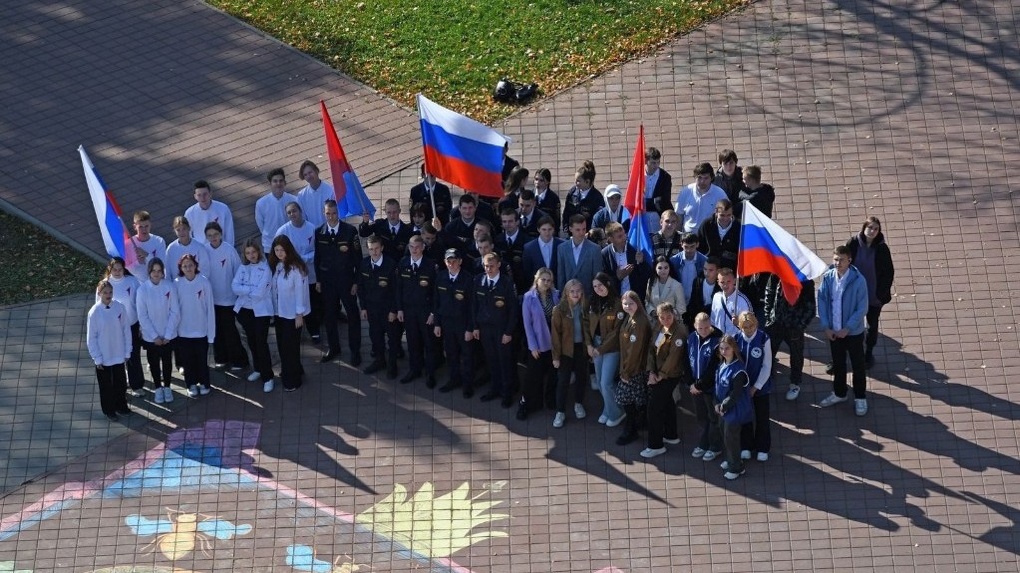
607 369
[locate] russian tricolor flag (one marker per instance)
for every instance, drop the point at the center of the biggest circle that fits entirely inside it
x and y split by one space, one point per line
116 238
765 247
460 150
350 195
634 201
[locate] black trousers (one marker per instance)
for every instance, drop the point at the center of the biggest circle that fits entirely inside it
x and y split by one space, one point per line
135 375
256 330
314 316
756 435
578 366
227 347
288 342
661 413
499 356
160 363
420 344
872 338
112 386
711 430
794 338
459 354
541 382
841 348
193 356
383 335
334 296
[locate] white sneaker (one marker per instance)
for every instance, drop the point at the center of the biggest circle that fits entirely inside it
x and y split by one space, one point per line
268 386
671 441
793 392
725 465
204 390
710 455
559 419
698 452
733 475
579 412
254 377
168 395
616 422
159 395
860 406
745 454
134 393
763 457
193 391
832 400
651 453
603 419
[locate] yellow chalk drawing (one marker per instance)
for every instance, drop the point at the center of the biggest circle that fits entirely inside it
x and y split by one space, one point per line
430 525
181 533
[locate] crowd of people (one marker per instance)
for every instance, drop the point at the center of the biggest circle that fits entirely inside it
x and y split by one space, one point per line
483 287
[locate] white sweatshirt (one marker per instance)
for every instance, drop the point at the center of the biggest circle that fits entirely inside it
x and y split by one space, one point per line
217 212
124 291
109 334
253 286
198 319
290 293
222 267
159 311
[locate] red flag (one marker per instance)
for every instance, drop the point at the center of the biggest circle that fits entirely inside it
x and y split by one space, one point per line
634 200
350 195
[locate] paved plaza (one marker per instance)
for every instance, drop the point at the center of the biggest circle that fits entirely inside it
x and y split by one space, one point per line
853 108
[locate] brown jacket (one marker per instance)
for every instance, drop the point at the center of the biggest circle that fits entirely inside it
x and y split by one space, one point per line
635 339
563 328
608 324
669 359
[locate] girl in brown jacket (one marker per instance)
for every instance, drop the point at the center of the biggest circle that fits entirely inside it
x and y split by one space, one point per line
666 364
635 339
570 338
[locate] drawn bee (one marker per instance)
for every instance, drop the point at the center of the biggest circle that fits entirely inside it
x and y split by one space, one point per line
302 558
180 533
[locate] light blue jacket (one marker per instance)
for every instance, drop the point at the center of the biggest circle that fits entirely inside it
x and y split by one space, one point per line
855 300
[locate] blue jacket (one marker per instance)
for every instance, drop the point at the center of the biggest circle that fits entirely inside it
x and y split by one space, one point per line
854 302
757 353
731 392
703 359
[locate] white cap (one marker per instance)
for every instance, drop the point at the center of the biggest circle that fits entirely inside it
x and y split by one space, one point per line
613 190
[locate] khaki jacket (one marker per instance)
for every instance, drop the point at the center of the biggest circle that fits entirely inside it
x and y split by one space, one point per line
563 328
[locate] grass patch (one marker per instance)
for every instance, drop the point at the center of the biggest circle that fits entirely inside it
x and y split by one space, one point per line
37 266
454 52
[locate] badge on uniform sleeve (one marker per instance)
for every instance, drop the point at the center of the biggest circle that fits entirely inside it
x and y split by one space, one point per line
619 316
679 342
756 352
633 338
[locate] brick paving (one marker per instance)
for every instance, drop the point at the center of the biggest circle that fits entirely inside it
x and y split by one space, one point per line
852 108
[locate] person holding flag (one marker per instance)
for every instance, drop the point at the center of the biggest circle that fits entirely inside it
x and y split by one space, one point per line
765 247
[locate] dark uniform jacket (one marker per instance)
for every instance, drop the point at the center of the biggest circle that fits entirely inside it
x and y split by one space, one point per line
337 258
496 306
377 286
394 245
